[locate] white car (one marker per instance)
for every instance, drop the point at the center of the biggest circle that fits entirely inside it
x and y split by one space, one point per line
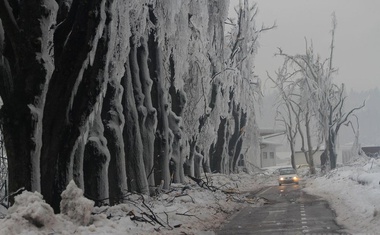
288 175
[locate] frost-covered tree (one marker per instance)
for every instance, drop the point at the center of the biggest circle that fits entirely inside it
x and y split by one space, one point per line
243 86
27 66
320 98
294 113
287 109
123 96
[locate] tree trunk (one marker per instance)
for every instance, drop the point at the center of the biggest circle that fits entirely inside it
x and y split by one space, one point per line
325 162
162 133
239 142
137 178
174 125
178 101
292 155
159 97
148 120
26 67
112 112
73 92
181 170
96 162
206 163
79 158
237 151
197 163
235 110
216 159
332 149
16 131
309 146
113 120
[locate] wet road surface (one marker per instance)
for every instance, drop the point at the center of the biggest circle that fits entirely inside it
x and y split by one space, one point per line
288 211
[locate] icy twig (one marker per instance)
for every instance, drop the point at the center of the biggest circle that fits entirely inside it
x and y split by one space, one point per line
11 195
184 214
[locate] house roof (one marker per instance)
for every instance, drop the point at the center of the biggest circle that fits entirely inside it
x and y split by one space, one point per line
266 142
270 131
319 150
371 149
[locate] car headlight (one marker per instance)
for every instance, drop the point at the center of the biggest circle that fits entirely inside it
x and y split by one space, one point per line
295 178
281 178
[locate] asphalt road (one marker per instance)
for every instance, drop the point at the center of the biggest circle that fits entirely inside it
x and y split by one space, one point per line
288 211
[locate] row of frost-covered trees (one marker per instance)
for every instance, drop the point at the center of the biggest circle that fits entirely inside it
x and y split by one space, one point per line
125 95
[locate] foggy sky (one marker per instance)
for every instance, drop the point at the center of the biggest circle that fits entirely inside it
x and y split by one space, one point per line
357 37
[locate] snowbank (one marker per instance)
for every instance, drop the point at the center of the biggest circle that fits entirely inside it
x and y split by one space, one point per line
76 207
185 209
29 210
31 215
353 192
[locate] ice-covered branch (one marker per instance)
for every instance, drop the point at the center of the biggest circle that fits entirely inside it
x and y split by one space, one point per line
348 115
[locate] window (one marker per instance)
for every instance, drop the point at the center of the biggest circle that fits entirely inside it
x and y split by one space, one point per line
272 155
265 155
241 160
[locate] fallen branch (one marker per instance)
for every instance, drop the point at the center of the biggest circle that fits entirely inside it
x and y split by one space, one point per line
182 195
203 184
184 214
231 190
184 188
134 217
152 216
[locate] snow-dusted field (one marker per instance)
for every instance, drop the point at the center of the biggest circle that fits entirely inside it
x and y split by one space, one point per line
353 192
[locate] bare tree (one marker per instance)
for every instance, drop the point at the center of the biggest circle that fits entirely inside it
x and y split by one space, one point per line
288 111
336 117
321 98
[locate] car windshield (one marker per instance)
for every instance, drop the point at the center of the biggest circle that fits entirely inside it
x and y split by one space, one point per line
287 171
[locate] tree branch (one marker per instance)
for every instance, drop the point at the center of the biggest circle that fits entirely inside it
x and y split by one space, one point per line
347 116
8 19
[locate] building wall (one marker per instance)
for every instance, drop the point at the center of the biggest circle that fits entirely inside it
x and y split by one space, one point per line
301 160
268 156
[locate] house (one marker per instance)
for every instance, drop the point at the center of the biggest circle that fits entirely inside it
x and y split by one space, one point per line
267 147
300 159
268 153
349 154
372 151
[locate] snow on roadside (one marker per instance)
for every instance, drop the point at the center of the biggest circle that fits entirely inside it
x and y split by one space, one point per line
31 215
353 192
185 209
77 208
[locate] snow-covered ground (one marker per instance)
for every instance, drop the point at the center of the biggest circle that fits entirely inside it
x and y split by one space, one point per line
185 209
353 192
